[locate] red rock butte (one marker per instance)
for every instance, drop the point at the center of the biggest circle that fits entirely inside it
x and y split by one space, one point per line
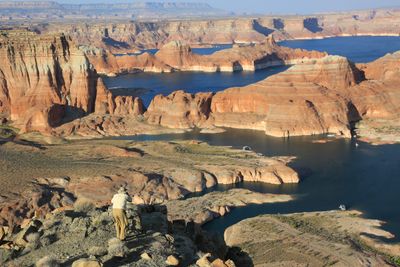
45 78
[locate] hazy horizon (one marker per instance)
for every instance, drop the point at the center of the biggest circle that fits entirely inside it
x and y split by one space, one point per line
267 6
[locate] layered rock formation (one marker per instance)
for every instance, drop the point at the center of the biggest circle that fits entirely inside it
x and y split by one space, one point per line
180 110
178 56
320 94
133 36
44 78
304 100
309 98
326 95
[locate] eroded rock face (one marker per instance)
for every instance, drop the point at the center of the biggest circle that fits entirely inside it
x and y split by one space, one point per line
128 37
44 78
42 72
180 109
153 173
107 103
384 68
309 98
178 56
378 97
303 100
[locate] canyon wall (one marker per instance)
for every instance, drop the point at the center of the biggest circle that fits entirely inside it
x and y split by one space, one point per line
127 37
326 95
307 99
46 78
45 81
178 56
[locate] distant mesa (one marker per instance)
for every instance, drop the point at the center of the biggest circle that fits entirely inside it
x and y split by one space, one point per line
54 10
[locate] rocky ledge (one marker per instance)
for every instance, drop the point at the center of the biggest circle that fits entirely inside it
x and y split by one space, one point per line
55 176
314 239
84 236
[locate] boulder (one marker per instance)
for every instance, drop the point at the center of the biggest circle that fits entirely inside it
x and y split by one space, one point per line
172 261
87 263
21 238
203 261
3 232
145 256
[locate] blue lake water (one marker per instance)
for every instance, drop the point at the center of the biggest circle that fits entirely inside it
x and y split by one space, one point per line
359 49
365 178
148 85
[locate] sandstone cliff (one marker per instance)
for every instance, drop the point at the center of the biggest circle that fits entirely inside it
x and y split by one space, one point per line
128 37
51 81
326 95
309 98
178 56
180 110
45 78
378 98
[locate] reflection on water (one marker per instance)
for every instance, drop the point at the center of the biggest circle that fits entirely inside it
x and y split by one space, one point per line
360 49
366 178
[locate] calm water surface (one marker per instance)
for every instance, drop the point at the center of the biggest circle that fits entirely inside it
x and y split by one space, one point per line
360 49
366 178
148 85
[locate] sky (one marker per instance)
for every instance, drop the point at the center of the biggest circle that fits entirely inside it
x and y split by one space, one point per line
299 6
274 6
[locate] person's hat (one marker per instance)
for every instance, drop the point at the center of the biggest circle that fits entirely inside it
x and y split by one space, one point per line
122 190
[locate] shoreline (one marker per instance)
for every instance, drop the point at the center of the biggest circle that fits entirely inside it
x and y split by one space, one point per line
250 69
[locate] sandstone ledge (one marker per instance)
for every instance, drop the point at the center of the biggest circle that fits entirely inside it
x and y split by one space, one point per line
318 238
216 204
153 172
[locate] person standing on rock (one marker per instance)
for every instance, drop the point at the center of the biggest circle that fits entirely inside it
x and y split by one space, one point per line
119 202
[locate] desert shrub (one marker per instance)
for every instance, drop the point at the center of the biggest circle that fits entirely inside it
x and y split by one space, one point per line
47 240
97 251
33 240
101 220
83 205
